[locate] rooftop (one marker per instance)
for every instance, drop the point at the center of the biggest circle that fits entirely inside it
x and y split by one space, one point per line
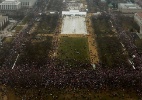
129 6
10 1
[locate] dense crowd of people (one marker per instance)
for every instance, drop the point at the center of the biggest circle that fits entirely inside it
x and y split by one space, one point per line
128 42
22 37
61 76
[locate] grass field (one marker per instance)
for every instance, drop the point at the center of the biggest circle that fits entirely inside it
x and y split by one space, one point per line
25 20
8 40
18 28
74 48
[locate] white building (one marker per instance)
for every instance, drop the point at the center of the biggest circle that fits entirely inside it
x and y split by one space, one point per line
3 21
97 14
138 19
129 8
27 3
73 13
10 5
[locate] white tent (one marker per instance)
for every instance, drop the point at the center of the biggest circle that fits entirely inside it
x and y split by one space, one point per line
73 12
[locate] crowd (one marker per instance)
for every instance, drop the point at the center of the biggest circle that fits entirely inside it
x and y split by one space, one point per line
22 37
128 42
60 76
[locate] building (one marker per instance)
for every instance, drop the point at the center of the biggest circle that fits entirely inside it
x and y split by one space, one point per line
138 20
130 8
10 5
16 4
3 21
97 14
73 13
28 3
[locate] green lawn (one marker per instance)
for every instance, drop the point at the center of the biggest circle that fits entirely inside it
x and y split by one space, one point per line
74 49
25 20
8 40
18 28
